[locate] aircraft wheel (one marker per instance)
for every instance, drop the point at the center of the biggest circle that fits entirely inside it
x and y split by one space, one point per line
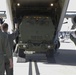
21 53
50 53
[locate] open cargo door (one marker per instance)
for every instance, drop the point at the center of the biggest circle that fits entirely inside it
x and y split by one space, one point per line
40 25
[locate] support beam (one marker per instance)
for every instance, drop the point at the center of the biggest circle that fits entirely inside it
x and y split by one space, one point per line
63 13
9 19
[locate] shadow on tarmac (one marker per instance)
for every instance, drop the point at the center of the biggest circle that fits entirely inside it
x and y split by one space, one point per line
63 57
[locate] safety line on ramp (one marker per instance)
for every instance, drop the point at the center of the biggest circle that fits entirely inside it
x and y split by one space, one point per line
33 68
36 68
30 68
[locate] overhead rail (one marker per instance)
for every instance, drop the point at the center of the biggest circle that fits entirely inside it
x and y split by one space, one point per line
70 14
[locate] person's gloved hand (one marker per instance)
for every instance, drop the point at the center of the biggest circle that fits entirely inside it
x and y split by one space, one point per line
1 21
15 20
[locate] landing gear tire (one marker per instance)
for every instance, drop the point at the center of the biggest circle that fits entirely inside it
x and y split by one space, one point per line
57 45
21 53
50 53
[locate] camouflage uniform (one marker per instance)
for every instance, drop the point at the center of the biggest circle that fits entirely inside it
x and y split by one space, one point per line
11 37
4 49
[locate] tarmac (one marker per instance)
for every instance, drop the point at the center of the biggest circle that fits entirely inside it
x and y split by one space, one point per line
63 62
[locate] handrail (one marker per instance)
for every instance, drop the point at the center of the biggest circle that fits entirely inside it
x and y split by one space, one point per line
70 14
3 14
3 11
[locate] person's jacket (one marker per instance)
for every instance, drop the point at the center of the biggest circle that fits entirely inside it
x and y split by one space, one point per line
4 45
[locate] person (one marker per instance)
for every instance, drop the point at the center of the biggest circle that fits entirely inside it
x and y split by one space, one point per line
4 49
11 37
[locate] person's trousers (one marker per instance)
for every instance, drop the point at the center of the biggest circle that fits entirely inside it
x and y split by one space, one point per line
1 64
1 68
8 70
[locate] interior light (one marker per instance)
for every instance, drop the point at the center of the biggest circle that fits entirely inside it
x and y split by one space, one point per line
18 4
51 4
39 17
47 17
27 17
34 17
